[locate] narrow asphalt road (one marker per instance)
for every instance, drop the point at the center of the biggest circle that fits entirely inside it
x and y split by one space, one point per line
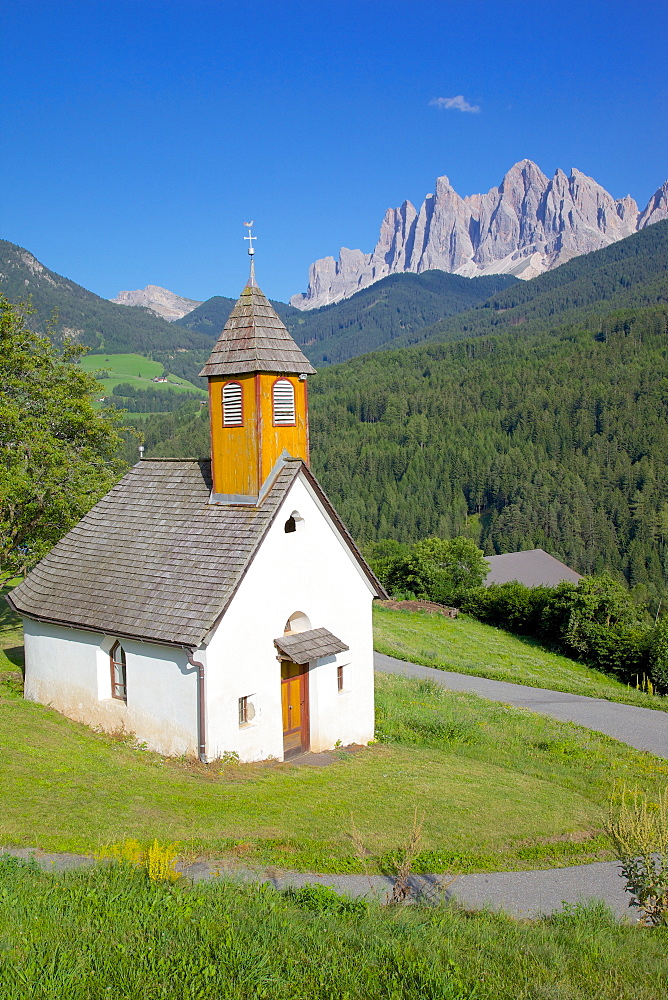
642 728
521 894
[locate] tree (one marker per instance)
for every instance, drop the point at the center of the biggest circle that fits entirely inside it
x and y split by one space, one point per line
440 569
607 628
57 453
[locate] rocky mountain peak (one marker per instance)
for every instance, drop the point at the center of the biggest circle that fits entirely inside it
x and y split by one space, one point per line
528 224
159 300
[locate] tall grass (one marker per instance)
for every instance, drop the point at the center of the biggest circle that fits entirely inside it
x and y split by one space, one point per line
109 931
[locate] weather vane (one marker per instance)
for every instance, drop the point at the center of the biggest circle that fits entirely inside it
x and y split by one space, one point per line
250 238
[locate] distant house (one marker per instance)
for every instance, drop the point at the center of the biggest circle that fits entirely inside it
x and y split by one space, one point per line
534 568
160 378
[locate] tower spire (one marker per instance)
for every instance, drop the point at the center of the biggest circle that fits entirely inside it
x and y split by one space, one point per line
257 396
251 252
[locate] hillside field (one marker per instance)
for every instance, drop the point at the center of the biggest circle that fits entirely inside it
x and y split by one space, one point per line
500 788
468 647
137 370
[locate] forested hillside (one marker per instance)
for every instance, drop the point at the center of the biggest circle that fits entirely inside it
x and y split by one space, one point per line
63 307
399 304
632 272
558 440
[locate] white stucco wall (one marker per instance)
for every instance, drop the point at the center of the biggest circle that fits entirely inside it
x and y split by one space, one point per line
69 670
310 570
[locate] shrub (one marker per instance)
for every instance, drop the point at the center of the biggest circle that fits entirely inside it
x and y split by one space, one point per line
639 832
156 859
658 655
438 569
322 899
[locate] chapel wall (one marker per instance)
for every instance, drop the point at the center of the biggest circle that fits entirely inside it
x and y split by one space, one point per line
311 570
69 670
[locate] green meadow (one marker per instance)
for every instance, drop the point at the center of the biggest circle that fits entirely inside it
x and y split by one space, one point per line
467 646
109 931
135 369
499 788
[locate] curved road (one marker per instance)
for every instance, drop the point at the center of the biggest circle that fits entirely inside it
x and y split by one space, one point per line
522 894
642 728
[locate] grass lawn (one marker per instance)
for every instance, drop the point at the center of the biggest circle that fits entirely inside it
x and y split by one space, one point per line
467 646
137 370
110 932
500 788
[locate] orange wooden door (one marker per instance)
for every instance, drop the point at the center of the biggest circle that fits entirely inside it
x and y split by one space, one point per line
294 701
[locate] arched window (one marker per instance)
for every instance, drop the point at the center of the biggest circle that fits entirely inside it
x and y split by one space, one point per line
294 523
119 680
233 413
284 402
297 622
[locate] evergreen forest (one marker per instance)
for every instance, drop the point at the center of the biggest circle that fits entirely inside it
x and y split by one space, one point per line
537 418
392 307
557 440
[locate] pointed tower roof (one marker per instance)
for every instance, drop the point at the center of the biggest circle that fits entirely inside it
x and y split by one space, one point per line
254 339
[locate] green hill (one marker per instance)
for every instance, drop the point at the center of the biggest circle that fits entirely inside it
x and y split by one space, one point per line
558 440
631 272
64 307
392 307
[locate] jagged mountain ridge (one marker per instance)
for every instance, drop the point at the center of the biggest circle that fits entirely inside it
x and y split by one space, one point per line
158 300
527 225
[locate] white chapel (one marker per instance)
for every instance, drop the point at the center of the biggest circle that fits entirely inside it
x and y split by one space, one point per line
214 605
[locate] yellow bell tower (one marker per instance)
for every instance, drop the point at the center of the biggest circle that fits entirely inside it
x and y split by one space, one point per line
258 401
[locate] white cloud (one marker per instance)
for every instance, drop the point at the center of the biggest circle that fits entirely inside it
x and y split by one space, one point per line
458 103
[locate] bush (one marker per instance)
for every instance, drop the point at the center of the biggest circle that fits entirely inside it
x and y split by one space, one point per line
639 832
438 569
597 621
658 655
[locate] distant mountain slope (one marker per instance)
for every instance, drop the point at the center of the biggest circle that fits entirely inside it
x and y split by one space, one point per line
527 225
398 304
632 272
158 300
93 321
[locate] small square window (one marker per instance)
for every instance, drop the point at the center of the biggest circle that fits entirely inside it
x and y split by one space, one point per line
246 710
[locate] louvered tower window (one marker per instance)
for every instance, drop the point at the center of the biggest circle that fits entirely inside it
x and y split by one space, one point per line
284 402
232 405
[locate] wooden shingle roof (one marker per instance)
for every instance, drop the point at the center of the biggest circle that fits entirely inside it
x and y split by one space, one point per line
302 647
254 339
155 560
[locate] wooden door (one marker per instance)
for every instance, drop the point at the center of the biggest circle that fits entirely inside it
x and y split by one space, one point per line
294 700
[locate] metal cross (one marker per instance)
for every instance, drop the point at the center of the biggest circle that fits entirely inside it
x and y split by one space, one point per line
250 238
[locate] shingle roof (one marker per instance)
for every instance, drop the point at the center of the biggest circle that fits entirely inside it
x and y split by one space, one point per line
532 568
306 646
255 340
154 559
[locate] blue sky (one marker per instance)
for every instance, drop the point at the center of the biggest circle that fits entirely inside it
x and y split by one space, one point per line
138 137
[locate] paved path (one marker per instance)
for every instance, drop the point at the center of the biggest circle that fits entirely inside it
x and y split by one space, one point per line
522 894
642 728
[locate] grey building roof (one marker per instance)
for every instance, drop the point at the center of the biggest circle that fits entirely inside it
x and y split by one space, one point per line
306 646
533 568
255 340
154 559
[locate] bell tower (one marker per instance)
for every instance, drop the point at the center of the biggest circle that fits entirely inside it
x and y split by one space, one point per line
258 401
